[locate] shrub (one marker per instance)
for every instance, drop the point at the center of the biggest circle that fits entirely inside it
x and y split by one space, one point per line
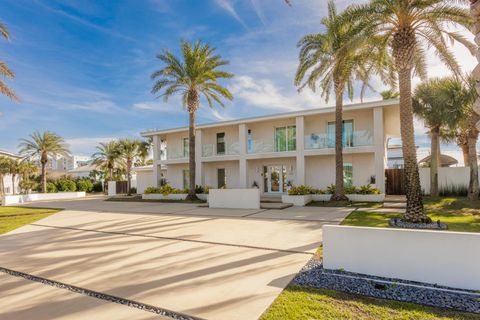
66 185
300 190
150 190
454 190
199 189
350 190
85 185
368 189
331 189
165 190
133 190
97 187
51 187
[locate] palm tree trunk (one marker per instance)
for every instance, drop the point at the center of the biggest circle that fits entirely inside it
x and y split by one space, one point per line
435 159
129 176
13 183
44 177
339 187
191 155
473 186
464 148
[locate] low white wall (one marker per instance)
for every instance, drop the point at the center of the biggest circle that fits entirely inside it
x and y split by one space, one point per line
436 257
145 179
159 196
112 188
301 201
449 176
23 198
298 201
234 198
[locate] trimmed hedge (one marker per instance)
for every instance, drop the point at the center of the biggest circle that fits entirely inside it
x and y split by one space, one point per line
304 190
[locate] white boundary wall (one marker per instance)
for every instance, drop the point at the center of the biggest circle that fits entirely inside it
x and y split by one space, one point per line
448 176
234 198
437 257
23 198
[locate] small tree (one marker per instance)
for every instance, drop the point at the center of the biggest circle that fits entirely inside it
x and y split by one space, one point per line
130 150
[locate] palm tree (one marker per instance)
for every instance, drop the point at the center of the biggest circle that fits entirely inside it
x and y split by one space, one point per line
5 70
107 157
389 94
26 170
14 170
4 170
195 73
337 58
475 116
408 28
44 146
143 152
437 103
130 149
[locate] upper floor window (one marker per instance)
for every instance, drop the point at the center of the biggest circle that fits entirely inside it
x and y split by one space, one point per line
347 133
186 147
286 138
221 143
249 141
347 174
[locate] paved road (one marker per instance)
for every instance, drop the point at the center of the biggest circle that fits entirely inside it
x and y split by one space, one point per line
208 263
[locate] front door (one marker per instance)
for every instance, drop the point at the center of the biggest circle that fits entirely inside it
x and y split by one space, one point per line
276 179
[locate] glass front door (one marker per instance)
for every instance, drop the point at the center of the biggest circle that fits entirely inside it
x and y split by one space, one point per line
276 181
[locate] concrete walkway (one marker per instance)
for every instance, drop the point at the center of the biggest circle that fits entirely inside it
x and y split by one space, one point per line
208 263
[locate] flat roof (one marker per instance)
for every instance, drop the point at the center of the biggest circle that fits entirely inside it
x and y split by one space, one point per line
314 111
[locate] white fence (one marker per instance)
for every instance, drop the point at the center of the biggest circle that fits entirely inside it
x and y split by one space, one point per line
234 198
437 257
447 177
23 198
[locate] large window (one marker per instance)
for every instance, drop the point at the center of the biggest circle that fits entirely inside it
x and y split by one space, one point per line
221 178
286 138
221 143
249 141
186 147
347 174
347 134
186 179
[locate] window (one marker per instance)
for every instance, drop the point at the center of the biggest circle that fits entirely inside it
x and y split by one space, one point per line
221 178
347 174
186 179
347 134
249 141
186 147
221 143
285 138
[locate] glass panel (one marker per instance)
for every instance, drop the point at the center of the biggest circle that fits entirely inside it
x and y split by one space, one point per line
221 178
280 139
221 143
274 179
331 135
347 174
186 179
265 179
186 147
347 134
291 138
249 141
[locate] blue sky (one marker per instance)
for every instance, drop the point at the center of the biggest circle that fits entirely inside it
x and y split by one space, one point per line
83 66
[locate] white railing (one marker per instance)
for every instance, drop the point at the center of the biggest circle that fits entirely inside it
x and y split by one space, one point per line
325 141
209 150
176 153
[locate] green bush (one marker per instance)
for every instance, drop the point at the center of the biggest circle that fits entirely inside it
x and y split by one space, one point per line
97 187
85 185
368 189
66 185
304 190
133 190
300 190
51 187
165 190
350 190
331 189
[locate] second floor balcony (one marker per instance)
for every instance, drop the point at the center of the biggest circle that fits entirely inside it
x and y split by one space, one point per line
229 149
315 141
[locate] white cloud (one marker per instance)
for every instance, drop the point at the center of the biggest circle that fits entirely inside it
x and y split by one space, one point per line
227 5
220 116
100 106
258 11
87 145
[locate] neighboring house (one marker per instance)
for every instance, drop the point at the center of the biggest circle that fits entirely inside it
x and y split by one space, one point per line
275 151
7 180
144 177
82 171
61 165
395 157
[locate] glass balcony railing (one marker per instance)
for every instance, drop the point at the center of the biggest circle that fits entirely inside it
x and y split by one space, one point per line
174 154
327 141
210 150
265 146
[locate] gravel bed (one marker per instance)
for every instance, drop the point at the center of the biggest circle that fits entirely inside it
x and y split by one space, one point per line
313 275
100 295
398 223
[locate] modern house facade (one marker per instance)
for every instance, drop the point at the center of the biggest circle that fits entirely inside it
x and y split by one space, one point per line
10 184
276 151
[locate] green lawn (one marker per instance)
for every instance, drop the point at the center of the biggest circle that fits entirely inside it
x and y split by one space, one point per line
459 214
297 302
15 217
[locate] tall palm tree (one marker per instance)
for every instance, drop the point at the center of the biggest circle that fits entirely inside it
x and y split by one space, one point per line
14 170
389 94
5 70
43 145
4 170
334 60
438 103
196 73
475 117
107 157
143 152
130 149
26 170
408 28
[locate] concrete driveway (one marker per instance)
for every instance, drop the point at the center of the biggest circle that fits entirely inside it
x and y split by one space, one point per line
206 263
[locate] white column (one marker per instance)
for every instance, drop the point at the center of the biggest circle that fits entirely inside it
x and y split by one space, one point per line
379 142
300 172
156 160
242 141
198 158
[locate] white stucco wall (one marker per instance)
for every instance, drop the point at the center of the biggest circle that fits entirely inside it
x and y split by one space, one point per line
320 170
8 183
234 198
450 176
145 179
32 197
231 172
437 257
362 121
265 131
174 175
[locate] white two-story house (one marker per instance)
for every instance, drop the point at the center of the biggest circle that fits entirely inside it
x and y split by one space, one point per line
275 151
